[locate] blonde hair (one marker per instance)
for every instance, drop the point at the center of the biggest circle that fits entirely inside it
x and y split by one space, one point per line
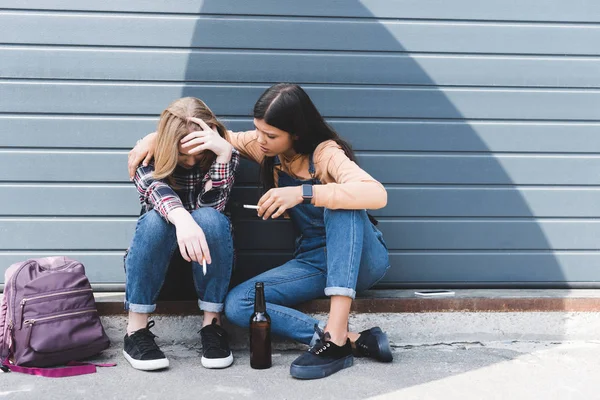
174 126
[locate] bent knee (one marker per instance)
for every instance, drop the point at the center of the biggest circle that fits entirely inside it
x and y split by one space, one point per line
152 223
238 309
210 219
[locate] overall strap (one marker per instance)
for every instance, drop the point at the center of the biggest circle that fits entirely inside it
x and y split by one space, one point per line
311 167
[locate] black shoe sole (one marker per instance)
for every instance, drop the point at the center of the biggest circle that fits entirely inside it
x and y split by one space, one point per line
321 371
383 343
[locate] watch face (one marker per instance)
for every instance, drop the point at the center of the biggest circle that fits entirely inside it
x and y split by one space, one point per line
307 191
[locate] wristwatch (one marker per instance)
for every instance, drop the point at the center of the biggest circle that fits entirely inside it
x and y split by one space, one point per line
307 194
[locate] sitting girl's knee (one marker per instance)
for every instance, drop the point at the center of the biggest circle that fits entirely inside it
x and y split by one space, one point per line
152 221
237 309
208 216
356 215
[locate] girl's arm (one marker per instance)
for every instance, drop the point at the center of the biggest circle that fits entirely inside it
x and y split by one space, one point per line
346 185
246 144
155 192
190 237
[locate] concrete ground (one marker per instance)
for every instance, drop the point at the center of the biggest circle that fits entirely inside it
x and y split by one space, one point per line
437 355
496 370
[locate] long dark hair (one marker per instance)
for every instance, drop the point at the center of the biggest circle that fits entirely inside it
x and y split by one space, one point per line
286 106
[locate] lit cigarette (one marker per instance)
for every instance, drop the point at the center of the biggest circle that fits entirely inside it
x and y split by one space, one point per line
251 207
204 266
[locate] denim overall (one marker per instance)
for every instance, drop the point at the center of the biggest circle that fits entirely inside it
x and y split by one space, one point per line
337 252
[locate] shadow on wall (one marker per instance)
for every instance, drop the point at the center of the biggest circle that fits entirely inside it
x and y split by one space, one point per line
409 135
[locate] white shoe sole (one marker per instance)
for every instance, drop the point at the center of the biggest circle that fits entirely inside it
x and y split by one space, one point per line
217 362
147 365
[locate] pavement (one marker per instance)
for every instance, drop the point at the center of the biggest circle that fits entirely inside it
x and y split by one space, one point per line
466 353
496 370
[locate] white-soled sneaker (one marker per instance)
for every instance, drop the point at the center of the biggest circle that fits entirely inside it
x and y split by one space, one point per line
215 347
141 350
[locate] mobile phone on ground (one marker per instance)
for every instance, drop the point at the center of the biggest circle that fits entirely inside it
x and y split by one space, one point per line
434 293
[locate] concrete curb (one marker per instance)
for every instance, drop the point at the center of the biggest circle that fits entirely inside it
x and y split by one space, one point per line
404 329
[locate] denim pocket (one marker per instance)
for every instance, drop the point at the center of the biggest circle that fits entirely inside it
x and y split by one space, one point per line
379 236
297 245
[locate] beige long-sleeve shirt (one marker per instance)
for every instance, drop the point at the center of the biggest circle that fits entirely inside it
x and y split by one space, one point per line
344 184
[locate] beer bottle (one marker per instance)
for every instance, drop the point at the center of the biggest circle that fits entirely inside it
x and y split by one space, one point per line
260 331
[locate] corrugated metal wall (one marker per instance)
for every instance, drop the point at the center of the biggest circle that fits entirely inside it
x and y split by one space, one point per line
481 118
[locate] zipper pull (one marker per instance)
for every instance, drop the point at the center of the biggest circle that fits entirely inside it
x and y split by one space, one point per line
22 314
29 323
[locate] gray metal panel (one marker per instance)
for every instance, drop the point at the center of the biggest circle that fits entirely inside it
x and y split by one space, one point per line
65 234
333 101
300 67
389 168
420 201
297 34
500 268
364 134
495 10
69 200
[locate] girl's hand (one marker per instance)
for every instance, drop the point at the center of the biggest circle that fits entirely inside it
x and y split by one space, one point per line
276 201
190 237
207 139
143 150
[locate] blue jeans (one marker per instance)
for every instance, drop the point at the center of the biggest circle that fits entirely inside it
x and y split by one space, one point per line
150 252
338 253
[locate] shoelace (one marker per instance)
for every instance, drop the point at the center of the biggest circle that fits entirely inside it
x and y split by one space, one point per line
211 339
322 343
145 339
364 348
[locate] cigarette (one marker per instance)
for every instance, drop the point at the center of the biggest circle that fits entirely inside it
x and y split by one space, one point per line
204 266
251 207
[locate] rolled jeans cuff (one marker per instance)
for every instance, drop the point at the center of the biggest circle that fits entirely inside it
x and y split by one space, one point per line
340 291
140 308
210 307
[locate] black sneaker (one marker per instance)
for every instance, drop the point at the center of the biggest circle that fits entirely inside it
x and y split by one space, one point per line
142 352
215 347
322 359
374 343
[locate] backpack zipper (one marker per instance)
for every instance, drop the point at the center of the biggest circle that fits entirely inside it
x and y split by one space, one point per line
31 322
14 283
25 300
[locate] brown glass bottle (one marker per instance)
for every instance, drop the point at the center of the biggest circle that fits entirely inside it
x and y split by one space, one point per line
260 331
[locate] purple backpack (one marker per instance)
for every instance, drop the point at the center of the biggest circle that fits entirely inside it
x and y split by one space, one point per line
48 317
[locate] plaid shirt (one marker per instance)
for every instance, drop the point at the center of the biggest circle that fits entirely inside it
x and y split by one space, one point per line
191 190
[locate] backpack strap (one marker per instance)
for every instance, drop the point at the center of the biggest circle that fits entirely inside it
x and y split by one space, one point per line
73 368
